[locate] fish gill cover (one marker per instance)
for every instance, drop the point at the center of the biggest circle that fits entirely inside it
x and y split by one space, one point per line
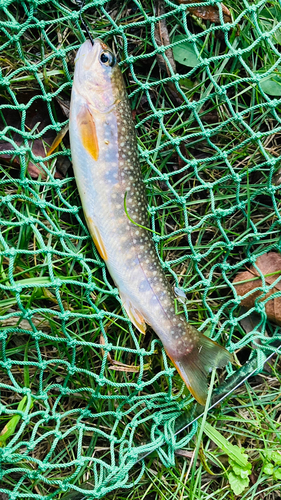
75 374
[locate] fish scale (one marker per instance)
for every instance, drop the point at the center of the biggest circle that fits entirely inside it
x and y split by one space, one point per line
107 169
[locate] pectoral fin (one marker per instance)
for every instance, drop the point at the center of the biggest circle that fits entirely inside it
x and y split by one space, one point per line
135 316
97 238
88 132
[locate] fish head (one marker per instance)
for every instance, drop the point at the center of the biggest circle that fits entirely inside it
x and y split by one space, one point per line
97 76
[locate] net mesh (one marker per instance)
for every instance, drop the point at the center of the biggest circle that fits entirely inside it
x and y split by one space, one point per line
82 394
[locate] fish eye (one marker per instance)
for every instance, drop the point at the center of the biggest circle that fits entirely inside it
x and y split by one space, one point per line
107 58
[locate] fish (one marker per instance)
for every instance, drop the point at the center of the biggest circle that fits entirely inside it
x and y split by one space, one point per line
113 196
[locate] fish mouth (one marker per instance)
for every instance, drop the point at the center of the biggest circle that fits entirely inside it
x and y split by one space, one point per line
86 54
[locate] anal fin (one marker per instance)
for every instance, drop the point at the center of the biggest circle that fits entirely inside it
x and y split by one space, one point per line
97 238
135 316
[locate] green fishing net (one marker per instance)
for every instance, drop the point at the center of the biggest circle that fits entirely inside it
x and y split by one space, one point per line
83 395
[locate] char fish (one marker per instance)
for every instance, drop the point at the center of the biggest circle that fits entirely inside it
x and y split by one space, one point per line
107 169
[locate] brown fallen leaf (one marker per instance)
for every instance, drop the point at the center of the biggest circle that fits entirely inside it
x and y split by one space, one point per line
37 118
162 37
270 266
185 453
209 12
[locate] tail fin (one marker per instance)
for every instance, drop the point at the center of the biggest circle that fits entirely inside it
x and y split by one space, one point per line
195 366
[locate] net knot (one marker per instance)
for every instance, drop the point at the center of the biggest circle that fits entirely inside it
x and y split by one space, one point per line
101 381
130 59
27 314
259 306
36 335
40 204
66 314
80 426
72 343
64 487
239 52
4 81
272 189
214 319
40 23
252 259
224 266
251 8
25 391
265 35
196 258
145 86
6 199
236 177
75 209
12 252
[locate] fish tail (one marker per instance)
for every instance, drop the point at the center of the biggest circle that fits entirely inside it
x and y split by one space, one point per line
195 366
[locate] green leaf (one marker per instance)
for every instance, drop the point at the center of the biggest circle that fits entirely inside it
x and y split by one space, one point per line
234 452
10 427
267 454
184 53
241 471
276 457
186 83
277 474
268 468
237 483
271 85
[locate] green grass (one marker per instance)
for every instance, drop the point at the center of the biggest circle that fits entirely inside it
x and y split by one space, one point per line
213 205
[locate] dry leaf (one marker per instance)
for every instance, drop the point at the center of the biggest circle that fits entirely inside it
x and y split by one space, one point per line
268 263
37 118
184 453
162 38
209 12
120 367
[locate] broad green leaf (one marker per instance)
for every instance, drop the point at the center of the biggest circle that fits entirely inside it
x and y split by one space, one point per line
234 452
186 83
271 85
184 53
241 471
277 474
268 468
276 457
237 483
